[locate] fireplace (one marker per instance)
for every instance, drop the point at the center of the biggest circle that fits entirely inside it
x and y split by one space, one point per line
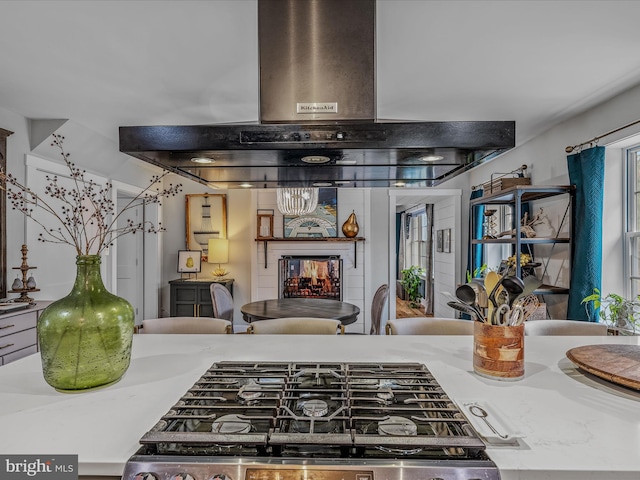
310 277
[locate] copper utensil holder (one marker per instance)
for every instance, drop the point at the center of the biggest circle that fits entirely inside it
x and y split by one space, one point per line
498 351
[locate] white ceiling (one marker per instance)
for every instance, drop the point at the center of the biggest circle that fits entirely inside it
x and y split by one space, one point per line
104 64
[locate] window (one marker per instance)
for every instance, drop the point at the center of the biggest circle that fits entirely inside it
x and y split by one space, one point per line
417 243
632 243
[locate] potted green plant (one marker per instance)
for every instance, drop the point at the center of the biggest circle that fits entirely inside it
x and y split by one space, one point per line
411 278
615 310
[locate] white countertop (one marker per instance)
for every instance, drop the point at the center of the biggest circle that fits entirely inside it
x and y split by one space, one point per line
573 426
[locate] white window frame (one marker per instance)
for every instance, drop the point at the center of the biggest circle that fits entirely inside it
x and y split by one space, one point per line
632 228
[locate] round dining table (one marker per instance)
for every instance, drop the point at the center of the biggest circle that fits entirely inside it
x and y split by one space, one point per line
300 307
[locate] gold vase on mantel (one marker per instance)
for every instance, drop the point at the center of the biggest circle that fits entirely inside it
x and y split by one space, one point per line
350 228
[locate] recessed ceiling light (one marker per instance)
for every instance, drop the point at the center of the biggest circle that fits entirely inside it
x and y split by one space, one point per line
399 184
202 160
315 159
246 185
322 184
431 158
342 182
345 162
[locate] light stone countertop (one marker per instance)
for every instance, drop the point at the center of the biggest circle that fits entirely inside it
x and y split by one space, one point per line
573 426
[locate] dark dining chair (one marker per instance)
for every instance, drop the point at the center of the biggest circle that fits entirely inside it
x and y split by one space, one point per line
222 302
377 306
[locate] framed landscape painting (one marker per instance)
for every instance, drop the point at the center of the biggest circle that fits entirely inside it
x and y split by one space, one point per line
321 223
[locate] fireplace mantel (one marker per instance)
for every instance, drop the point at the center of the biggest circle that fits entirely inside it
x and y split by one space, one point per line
313 239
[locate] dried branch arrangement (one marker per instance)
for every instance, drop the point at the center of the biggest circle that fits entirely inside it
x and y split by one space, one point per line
86 211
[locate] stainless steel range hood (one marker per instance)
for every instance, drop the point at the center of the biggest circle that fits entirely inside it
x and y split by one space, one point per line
317 115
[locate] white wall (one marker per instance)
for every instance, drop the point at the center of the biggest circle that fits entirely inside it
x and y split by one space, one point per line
446 215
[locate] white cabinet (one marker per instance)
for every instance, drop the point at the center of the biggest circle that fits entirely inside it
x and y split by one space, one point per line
18 333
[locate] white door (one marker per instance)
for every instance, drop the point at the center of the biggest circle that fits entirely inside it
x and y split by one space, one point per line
130 260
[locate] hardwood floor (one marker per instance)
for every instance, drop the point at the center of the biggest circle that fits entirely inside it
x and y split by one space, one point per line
404 311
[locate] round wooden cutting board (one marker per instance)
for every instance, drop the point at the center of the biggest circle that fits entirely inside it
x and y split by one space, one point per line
616 363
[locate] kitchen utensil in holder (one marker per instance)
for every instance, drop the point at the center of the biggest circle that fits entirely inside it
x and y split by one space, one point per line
498 351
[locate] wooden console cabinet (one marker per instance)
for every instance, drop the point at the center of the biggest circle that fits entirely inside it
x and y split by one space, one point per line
192 298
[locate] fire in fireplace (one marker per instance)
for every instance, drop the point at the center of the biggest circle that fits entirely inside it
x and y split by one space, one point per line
310 277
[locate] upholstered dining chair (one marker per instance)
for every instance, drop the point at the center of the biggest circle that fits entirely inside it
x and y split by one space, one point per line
186 325
222 302
377 306
429 326
297 326
564 327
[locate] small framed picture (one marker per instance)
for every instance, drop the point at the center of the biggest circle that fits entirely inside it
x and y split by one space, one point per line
189 261
446 243
439 237
265 224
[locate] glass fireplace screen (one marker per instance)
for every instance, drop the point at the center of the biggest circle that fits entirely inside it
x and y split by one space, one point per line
310 277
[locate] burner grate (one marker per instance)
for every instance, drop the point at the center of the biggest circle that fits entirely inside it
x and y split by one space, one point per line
353 410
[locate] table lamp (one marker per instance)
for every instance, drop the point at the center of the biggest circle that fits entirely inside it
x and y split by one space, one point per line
218 253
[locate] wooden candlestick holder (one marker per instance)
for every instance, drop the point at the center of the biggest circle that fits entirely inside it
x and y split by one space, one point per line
24 268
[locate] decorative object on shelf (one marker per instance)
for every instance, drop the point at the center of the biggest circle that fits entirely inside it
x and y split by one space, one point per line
489 225
411 278
21 285
503 180
206 218
17 283
219 253
189 261
84 338
31 282
265 224
350 228
297 201
322 222
527 265
527 224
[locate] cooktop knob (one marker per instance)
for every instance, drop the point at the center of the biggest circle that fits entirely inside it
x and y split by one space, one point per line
220 476
182 476
145 476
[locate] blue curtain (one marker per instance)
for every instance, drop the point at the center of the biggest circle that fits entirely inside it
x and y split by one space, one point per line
586 172
477 218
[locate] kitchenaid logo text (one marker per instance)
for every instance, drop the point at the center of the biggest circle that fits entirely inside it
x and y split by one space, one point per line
314 107
25 467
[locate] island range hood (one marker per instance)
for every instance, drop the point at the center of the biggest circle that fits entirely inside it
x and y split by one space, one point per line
318 123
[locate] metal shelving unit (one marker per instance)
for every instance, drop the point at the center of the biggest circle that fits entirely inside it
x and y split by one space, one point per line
515 197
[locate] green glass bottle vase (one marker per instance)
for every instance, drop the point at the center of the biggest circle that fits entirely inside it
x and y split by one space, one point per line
85 338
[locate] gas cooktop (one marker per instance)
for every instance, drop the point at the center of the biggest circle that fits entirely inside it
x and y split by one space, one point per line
313 414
